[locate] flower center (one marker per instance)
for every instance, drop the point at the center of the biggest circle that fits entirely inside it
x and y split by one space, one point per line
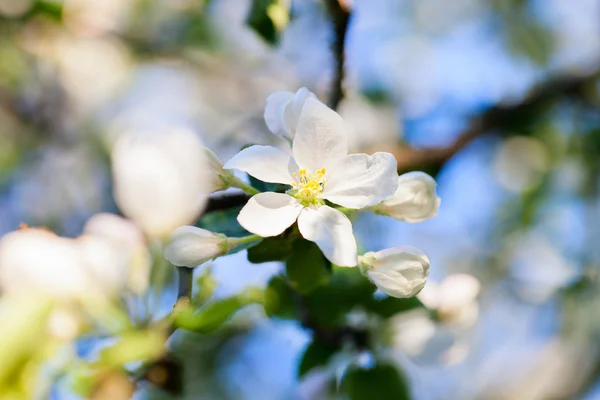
308 187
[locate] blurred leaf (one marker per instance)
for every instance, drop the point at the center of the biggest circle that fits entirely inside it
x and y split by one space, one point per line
307 268
23 324
258 19
316 354
277 248
133 346
390 306
263 186
206 285
215 314
382 382
223 221
280 299
330 303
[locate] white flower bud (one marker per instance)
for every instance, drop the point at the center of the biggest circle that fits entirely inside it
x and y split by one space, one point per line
398 272
219 178
160 179
124 237
415 199
189 246
283 111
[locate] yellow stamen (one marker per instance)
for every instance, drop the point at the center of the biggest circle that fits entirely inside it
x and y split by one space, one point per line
308 187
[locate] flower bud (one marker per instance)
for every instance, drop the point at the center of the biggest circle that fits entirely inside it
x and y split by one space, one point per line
160 179
415 199
219 178
398 272
283 111
189 246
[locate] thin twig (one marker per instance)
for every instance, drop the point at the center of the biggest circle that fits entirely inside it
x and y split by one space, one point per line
340 17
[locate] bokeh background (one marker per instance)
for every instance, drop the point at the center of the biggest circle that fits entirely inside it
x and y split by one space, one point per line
498 99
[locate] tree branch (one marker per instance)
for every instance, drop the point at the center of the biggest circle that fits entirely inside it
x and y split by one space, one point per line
499 118
340 17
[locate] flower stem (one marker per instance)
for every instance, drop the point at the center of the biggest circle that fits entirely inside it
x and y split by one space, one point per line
235 242
238 183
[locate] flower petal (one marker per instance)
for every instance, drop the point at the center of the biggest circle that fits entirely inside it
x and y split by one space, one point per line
266 163
415 199
275 111
269 214
320 138
360 180
331 230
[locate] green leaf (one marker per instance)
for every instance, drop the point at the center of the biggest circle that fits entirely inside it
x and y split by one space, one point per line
382 382
258 19
263 186
316 354
280 299
390 306
215 314
223 221
277 248
330 303
307 268
133 346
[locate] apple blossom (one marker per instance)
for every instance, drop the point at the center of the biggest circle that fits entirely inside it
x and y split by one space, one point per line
189 246
398 271
160 178
283 110
320 169
415 199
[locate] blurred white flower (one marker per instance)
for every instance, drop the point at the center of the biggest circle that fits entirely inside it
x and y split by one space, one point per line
126 242
455 299
369 125
319 170
415 199
398 271
36 261
283 109
160 178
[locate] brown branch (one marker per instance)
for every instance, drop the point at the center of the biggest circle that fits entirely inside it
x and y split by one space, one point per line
339 18
501 119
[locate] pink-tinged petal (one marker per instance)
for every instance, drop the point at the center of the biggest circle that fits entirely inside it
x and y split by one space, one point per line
360 180
269 214
331 230
266 163
320 137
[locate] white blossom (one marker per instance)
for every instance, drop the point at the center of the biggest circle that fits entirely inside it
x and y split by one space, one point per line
218 178
319 170
398 271
189 246
283 110
125 240
36 261
415 199
454 299
160 178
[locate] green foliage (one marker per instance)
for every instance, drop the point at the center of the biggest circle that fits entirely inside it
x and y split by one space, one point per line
390 306
259 20
382 382
330 303
223 221
278 248
280 299
307 268
216 313
316 354
133 346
